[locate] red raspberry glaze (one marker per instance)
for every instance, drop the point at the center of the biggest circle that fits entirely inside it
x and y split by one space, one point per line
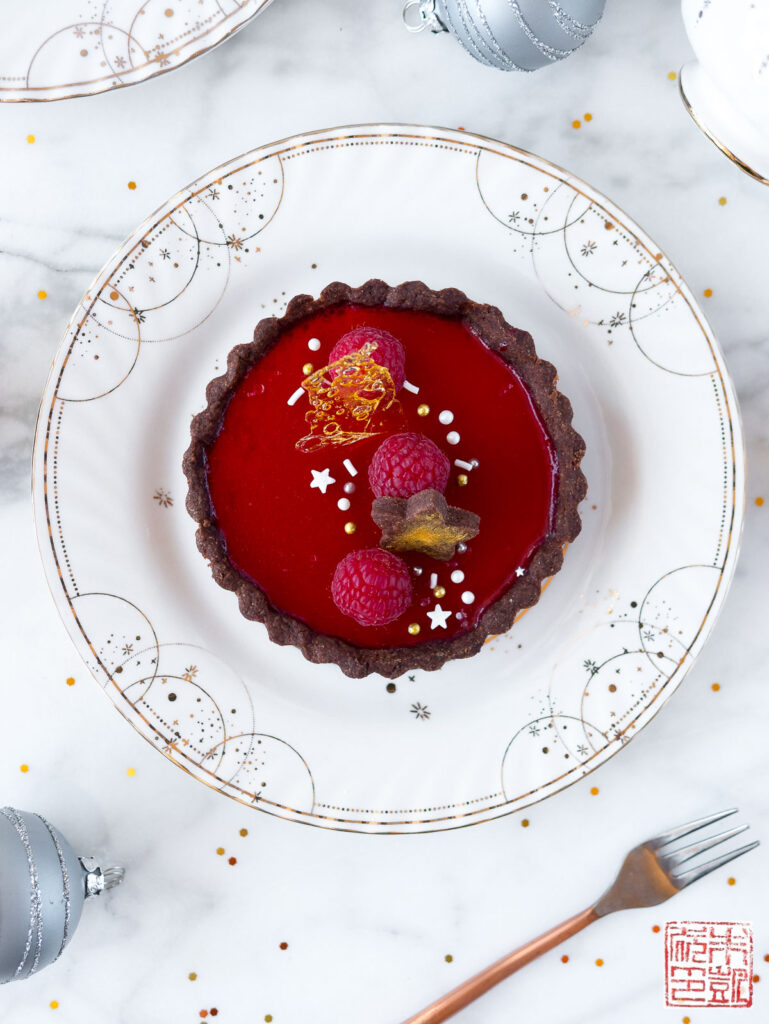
372 586
406 463
289 537
388 352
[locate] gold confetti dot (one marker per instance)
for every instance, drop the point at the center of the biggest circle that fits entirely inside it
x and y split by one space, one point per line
70 681
759 502
307 369
462 479
24 767
672 76
244 831
169 12
220 850
423 410
686 1020
576 124
130 771
599 962
588 117
731 881
54 1004
414 628
132 185
268 1017
525 823
30 139
42 294
448 958
715 687
350 527
722 201
439 592
708 293
114 296
192 976
594 791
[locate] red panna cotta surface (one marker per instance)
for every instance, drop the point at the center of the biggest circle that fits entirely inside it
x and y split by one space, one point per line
289 536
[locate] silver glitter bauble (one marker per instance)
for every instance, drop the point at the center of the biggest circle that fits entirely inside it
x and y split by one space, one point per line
43 886
512 35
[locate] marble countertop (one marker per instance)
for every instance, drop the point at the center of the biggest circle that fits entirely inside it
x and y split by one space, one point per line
375 927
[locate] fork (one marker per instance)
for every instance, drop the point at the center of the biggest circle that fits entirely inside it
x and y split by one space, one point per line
650 874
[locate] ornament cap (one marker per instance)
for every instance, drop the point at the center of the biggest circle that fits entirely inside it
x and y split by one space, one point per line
97 880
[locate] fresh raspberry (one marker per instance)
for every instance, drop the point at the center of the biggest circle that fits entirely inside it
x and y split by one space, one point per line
405 464
372 586
388 352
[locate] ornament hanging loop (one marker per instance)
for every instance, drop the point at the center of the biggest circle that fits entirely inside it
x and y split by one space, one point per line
98 881
421 14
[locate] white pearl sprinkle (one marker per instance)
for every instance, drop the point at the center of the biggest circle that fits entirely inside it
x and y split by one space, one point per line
452 437
313 344
457 576
343 504
349 488
468 597
446 417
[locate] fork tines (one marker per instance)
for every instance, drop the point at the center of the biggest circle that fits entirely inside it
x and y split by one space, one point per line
671 862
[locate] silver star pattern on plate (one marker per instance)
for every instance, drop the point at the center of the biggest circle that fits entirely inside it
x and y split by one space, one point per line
321 479
438 617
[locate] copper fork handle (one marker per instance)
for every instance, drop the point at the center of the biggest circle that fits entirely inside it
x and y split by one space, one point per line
474 987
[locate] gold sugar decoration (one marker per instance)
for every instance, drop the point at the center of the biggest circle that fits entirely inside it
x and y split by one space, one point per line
344 397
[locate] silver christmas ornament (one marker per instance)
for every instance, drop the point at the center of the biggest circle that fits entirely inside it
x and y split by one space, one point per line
43 886
512 35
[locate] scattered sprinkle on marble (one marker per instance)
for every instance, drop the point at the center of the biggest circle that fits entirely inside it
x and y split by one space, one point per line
350 468
588 117
284 945
722 200
42 294
30 139
715 687
594 791
243 832
130 772
564 959
220 850
731 881
467 597
599 962
576 124
759 501
268 1017
445 417
448 958
457 576
390 687
343 504
232 861
132 185
708 293
54 1004
70 681
453 437
672 76
295 397
193 976
525 823
313 344
349 487
411 387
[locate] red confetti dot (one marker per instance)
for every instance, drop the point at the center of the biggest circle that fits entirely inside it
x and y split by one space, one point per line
284 945
564 959
233 860
655 927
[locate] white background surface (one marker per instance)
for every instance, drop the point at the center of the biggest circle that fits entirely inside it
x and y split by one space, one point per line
369 919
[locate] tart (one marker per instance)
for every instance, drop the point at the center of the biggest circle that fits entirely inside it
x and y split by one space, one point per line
385 476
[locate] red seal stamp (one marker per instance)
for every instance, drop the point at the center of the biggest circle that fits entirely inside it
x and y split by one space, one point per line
708 963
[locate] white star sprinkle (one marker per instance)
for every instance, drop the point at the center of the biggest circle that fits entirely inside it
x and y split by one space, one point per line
519 571
438 617
321 480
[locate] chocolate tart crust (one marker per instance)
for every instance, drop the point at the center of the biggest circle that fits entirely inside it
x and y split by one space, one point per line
511 344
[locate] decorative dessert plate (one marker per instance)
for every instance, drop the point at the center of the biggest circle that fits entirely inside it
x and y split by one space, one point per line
58 49
614 632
